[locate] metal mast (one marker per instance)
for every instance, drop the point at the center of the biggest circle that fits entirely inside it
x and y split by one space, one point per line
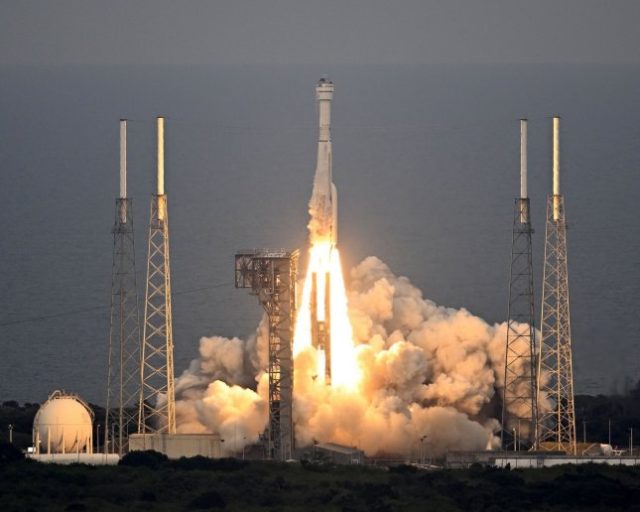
557 424
123 380
519 404
157 397
271 276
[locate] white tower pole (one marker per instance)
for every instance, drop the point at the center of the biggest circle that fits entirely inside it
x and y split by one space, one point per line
523 159
123 171
160 155
123 158
556 168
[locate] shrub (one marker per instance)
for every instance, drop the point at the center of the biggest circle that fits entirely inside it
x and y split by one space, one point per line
210 499
148 459
204 463
9 453
403 469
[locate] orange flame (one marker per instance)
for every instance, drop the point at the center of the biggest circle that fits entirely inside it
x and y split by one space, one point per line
324 259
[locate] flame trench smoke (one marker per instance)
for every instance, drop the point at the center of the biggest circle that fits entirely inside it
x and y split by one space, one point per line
423 369
401 366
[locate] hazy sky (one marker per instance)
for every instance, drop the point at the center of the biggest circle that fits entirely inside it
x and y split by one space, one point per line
331 32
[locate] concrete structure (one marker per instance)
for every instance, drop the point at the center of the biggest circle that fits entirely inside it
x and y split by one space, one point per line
175 446
92 459
271 275
157 408
538 459
63 425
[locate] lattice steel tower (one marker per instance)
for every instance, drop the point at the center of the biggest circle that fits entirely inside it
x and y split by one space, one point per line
271 276
123 380
519 404
556 421
157 397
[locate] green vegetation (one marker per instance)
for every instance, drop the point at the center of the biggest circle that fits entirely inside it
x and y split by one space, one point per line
148 482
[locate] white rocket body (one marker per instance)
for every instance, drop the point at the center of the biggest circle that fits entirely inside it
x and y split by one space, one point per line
324 199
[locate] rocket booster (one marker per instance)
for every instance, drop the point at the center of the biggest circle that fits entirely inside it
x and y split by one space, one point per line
323 206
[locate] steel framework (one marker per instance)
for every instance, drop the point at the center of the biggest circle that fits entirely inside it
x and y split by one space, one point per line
519 404
157 412
271 276
123 381
556 421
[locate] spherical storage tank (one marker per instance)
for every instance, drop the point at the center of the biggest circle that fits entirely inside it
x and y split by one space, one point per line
63 424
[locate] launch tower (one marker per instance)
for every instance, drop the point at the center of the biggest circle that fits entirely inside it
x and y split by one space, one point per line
556 425
271 276
157 398
123 380
519 405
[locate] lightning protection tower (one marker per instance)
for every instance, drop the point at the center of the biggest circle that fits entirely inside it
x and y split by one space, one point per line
556 422
123 379
519 404
157 398
271 276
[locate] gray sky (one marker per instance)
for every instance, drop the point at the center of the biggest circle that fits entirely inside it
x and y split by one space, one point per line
330 32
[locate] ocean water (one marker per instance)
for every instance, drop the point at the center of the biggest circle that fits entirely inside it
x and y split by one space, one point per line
426 161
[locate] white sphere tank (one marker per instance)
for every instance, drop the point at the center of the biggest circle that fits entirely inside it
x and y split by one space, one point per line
63 424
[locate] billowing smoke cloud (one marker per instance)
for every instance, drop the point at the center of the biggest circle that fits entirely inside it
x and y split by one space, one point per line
427 370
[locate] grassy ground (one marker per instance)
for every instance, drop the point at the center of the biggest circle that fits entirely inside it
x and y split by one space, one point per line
202 484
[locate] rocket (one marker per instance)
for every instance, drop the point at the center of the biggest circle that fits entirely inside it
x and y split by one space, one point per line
323 228
323 206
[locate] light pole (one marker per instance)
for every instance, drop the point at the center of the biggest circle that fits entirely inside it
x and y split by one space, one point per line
515 439
98 439
10 433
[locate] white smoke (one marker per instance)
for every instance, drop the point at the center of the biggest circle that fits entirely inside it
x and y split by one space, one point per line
427 370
